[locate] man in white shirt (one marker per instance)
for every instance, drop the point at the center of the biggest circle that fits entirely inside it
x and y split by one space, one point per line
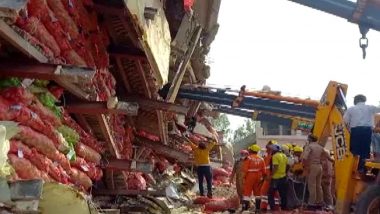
360 120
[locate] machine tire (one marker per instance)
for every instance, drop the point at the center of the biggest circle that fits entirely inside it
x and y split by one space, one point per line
366 198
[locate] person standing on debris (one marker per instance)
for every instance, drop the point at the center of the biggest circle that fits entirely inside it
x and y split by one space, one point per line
253 172
278 182
312 156
266 183
237 173
202 161
360 120
327 176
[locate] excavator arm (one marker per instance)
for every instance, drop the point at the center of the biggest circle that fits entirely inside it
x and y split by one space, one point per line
329 123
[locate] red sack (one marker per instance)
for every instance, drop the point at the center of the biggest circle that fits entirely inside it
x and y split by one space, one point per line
33 26
202 200
45 114
79 14
80 179
187 4
86 138
24 168
72 58
18 95
222 205
54 27
80 47
36 140
217 172
87 153
26 117
90 169
56 91
136 181
16 146
42 144
64 18
37 8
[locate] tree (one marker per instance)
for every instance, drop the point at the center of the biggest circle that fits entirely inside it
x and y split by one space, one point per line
222 123
244 131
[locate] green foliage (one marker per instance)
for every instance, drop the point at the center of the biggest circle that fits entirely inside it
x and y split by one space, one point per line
9 82
48 100
243 131
222 123
72 138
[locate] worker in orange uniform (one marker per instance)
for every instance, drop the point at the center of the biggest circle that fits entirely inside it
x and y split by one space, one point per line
237 172
202 161
266 183
253 172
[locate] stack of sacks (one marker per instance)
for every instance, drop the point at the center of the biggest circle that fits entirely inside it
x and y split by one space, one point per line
44 147
68 33
122 135
220 176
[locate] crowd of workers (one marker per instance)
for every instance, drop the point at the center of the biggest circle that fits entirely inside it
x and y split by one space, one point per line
291 174
288 173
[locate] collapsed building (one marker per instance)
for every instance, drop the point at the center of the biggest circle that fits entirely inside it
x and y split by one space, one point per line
81 79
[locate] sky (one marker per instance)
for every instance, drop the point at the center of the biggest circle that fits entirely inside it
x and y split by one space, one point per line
293 49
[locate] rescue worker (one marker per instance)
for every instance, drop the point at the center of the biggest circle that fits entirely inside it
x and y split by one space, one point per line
327 176
297 172
266 183
278 177
202 161
253 172
297 168
278 182
312 156
237 173
360 120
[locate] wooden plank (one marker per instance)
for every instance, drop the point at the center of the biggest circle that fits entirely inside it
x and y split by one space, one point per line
7 33
106 130
11 8
126 192
123 75
159 148
181 70
143 76
162 127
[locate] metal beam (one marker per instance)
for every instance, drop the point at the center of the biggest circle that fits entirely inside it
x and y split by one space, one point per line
345 9
125 192
104 7
128 165
181 70
164 150
101 107
126 52
64 75
46 71
96 108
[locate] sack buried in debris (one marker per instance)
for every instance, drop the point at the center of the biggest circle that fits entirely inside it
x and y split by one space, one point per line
222 205
205 200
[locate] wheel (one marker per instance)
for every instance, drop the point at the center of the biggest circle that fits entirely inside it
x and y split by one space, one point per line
369 201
